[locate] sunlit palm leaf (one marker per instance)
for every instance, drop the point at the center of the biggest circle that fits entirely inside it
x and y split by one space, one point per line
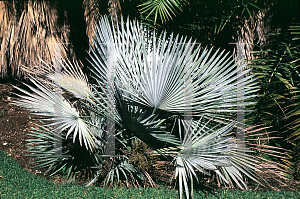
215 151
172 72
43 103
160 73
72 79
202 152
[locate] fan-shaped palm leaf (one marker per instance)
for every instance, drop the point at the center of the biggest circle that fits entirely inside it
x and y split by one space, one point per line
160 73
164 8
41 149
206 149
43 103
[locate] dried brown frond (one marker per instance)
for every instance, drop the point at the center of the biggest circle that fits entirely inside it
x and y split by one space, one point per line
258 139
92 15
140 155
30 39
253 31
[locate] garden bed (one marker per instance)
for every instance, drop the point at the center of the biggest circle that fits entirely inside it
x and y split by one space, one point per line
15 124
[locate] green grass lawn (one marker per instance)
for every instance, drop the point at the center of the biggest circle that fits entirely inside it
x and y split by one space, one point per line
18 183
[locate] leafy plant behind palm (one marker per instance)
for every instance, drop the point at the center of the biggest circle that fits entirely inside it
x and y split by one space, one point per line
161 8
159 81
278 106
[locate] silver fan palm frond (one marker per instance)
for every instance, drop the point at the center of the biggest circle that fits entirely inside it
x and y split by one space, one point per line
44 103
72 79
41 148
162 73
206 149
172 72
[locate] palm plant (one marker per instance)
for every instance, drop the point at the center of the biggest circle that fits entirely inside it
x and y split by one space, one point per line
177 98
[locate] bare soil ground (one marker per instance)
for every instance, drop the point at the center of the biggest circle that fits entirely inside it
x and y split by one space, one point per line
16 122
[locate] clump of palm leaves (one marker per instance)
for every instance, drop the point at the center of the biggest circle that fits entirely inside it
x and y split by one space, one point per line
179 99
